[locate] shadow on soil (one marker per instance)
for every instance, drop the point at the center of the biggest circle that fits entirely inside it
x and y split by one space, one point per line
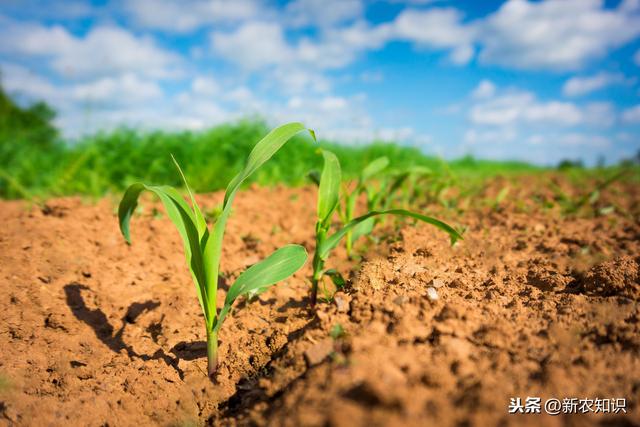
99 322
249 393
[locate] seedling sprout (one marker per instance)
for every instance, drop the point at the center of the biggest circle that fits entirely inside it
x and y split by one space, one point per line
203 247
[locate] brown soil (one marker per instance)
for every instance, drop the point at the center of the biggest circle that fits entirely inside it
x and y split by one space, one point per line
531 303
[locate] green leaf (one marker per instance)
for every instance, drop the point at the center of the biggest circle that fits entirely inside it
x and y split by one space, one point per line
362 229
336 277
276 267
182 217
333 240
373 168
200 221
263 151
502 195
329 190
337 331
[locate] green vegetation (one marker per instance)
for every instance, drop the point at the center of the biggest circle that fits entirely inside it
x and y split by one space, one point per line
351 197
328 201
203 247
35 164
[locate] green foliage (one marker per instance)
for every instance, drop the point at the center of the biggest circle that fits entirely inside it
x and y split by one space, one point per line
109 162
337 331
351 197
572 204
203 247
328 201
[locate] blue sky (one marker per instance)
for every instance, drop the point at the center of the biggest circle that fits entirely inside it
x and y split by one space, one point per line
532 80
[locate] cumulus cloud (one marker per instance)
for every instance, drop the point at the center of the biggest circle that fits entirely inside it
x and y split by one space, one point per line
577 86
253 45
475 136
21 81
119 90
555 34
301 13
523 107
190 15
485 89
571 139
103 51
631 115
436 29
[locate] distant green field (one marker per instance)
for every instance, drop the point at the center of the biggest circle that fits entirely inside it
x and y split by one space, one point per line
108 162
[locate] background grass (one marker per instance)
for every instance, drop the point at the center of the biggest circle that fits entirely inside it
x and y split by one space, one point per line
36 164
108 162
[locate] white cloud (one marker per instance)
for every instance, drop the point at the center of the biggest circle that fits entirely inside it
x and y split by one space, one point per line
577 86
254 45
515 107
301 13
189 15
436 29
205 85
485 89
120 90
555 34
631 115
490 136
570 139
103 51
589 140
21 81
599 114
523 107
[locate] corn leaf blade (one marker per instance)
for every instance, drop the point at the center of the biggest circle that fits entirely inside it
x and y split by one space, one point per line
276 267
373 168
263 151
182 217
333 240
197 213
329 190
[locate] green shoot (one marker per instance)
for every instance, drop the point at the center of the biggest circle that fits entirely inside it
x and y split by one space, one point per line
203 247
328 201
351 197
337 331
504 192
572 205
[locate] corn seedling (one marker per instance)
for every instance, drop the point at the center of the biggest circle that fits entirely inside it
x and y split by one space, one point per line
203 247
351 197
570 205
502 195
328 201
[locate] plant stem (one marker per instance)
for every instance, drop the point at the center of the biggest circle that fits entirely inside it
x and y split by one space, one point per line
318 263
212 353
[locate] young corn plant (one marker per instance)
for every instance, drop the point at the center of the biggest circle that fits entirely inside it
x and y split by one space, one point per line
203 246
328 201
351 197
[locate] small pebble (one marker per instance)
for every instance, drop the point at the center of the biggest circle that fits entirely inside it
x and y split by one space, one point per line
432 294
342 303
437 283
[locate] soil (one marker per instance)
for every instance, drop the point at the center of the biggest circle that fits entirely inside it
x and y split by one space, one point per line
531 303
